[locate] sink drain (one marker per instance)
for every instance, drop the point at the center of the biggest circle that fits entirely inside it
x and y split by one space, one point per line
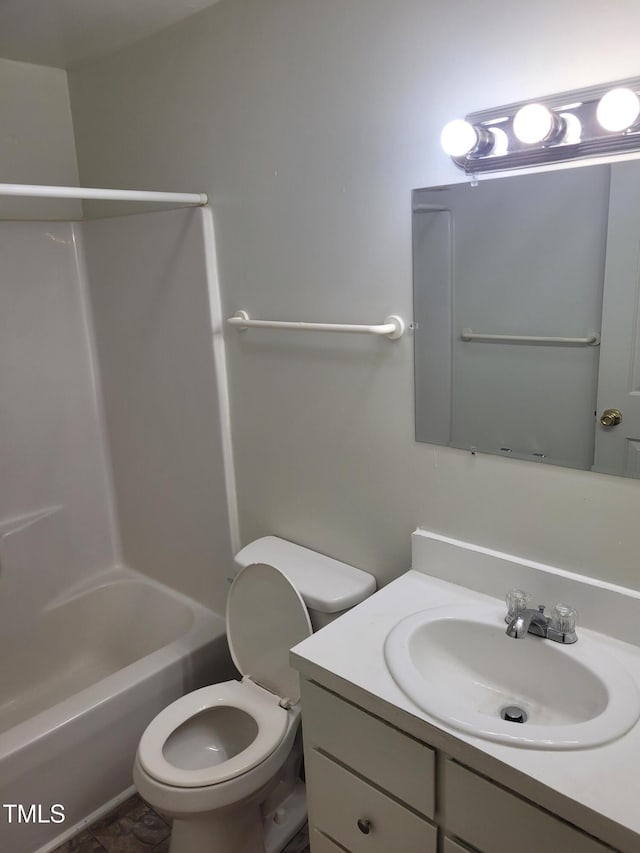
513 714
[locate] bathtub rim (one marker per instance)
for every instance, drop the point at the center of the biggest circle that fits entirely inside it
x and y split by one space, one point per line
81 825
207 626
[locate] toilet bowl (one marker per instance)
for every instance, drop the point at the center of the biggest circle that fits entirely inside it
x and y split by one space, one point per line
224 761
209 763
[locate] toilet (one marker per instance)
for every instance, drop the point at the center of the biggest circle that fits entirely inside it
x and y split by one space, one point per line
224 761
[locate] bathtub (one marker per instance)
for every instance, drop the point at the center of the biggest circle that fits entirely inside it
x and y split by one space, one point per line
77 691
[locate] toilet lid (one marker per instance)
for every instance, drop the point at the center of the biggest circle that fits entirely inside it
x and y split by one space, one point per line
266 617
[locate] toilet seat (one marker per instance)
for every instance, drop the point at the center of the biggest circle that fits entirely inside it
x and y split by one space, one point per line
187 744
272 722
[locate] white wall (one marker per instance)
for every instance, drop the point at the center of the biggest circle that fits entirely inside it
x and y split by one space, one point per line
309 123
36 140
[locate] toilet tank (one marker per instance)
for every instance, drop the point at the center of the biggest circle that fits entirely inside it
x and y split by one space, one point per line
327 586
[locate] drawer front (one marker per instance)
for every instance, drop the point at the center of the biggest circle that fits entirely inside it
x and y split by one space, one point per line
321 844
394 761
341 799
493 820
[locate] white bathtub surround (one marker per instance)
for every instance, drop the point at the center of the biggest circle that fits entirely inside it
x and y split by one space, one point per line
348 657
78 694
28 544
51 444
153 289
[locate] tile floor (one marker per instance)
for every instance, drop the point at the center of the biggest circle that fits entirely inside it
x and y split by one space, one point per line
134 827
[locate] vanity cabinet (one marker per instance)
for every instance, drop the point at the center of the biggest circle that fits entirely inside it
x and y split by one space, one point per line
469 798
371 788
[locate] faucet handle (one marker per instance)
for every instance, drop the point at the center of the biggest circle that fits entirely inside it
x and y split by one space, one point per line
517 601
564 619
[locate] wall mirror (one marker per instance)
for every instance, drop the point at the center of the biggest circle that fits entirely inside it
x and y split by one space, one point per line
526 299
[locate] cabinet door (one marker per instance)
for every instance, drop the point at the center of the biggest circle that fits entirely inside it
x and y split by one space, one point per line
321 844
361 818
451 846
382 754
493 820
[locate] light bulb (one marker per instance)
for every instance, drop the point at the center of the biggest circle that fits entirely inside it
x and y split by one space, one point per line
458 137
573 128
533 123
500 141
618 109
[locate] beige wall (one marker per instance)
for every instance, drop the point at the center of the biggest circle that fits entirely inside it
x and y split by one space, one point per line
309 123
36 140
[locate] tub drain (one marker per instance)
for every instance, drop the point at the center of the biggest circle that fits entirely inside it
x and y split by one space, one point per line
513 714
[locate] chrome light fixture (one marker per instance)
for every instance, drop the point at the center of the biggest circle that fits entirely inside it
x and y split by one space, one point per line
588 122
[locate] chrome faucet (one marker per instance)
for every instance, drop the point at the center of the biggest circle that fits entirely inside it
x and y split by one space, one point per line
528 622
522 620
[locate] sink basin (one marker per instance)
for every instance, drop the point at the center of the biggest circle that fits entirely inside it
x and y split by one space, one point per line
457 664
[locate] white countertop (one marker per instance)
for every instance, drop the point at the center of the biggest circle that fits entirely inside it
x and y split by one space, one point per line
597 789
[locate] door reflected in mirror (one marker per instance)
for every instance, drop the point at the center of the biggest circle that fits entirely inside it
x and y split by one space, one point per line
526 298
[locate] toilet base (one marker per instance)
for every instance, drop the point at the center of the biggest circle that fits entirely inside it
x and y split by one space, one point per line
243 828
280 826
238 829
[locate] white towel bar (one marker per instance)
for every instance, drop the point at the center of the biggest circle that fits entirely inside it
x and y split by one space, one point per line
393 326
592 340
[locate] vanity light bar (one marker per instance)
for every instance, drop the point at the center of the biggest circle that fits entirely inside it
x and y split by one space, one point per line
590 122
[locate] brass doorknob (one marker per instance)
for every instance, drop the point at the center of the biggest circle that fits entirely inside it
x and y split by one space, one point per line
610 417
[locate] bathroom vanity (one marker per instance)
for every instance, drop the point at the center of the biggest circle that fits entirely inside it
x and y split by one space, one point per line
385 775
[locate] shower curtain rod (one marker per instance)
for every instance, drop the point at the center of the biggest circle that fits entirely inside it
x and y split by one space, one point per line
36 191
